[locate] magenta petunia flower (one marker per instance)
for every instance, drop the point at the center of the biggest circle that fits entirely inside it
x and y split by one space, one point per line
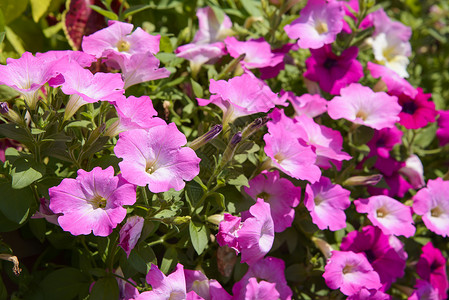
326 203
384 140
92 202
117 39
350 272
269 269
319 23
432 203
288 154
258 52
210 29
134 113
443 127
432 268
240 96
360 105
417 111
156 157
306 104
261 290
130 233
256 236
369 294
164 287
280 193
390 215
375 245
228 232
280 54
333 72
28 74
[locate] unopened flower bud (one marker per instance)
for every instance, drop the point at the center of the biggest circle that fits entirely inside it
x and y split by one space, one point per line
230 149
363 180
215 219
324 247
254 126
181 220
4 107
9 114
207 137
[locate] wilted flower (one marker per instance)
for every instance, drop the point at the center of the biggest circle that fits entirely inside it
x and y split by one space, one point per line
130 233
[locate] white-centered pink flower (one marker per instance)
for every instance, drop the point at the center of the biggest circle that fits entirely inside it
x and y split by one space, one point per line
118 39
350 272
390 215
306 104
155 157
432 203
257 52
360 105
319 23
164 287
92 202
280 193
240 96
134 113
327 203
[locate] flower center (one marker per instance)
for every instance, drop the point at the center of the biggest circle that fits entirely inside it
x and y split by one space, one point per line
362 115
389 53
264 195
321 27
348 269
381 212
279 157
123 46
151 167
436 212
329 63
409 107
176 296
318 199
98 202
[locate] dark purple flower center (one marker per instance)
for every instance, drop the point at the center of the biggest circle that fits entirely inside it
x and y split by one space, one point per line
409 107
435 265
329 63
370 255
380 143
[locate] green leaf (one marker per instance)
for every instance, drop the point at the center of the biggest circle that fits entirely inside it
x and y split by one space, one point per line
15 204
194 192
15 133
426 136
108 14
252 7
39 8
141 258
198 236
105 288
363 135
170 259
64 283
136 9
239 181
15 40
25 172
197 89
12 9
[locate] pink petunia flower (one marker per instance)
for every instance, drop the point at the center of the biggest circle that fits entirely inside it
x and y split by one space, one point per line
92 202
360 105
228 232
28 74
44 212
375 245
417 111
134 113
269 269
261 290
210 29
118 39
391 79
432 204
288 154
240 96
414 171
326 203
333 72
390 215
319 23
280 193
258 52
205 288
201 54
156 157
443 128
83 59
424 290
130 233
164 287
369 294
350 272
306 104
85 87
432 268
256 236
